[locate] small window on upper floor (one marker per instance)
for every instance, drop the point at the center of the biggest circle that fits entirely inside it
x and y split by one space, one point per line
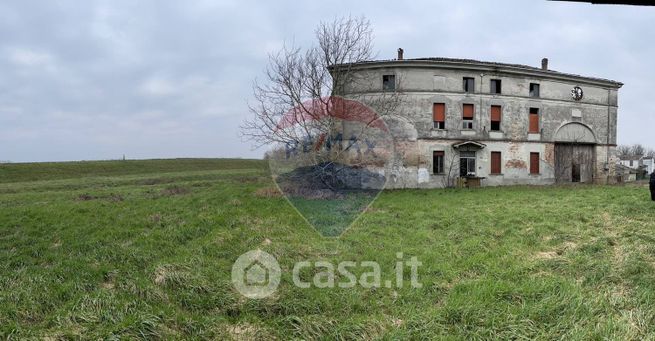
533 126
534 90
439 115
495 86
389 82
469 84
496 116
468 111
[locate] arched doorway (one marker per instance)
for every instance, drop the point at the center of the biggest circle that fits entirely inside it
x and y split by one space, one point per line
574 153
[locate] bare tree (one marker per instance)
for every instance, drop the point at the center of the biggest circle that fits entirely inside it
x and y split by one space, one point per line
623 151
451 170
308 94
637 150
650 153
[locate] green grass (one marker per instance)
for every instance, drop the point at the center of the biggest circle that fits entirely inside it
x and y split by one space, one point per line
144 249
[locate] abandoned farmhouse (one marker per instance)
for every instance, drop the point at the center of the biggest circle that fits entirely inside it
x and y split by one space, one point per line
493 124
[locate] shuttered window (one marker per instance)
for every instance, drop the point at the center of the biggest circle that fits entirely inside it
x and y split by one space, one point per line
534 121
439 115
468 111
534 163
496 160
495 117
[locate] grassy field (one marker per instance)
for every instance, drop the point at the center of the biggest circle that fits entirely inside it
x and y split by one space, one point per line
144 249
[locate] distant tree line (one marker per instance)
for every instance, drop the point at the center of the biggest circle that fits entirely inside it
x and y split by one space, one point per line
625 151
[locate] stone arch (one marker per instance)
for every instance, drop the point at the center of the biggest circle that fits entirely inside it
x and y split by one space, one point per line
575 132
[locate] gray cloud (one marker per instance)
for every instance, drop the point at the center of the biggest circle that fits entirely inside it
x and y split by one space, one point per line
99 79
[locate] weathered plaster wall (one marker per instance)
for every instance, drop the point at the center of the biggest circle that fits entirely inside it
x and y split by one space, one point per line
421 87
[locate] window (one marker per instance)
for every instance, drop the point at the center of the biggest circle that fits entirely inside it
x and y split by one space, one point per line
496 115
467 116
534 163
466 164
534 90
534 121
439 115
437 162
469 84
495 86
496 163
389 82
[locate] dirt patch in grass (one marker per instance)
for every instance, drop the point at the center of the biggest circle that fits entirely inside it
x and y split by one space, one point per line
115 197
111 197
174 190
244 331
155 218
268 192
546 255
569 246
85 197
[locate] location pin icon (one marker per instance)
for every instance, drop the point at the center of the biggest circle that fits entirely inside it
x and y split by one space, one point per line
332 160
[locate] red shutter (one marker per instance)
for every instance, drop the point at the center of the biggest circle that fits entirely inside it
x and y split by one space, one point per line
468 111
495 113
534 163
439 112
534 120
495 163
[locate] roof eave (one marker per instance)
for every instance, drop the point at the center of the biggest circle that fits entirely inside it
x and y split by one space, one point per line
481 66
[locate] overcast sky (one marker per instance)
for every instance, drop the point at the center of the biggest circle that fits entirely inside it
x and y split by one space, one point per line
82 80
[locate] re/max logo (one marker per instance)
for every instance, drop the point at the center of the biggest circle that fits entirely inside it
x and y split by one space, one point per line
309 144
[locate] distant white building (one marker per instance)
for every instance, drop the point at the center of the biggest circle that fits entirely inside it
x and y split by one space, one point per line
633 162
649 163
644 163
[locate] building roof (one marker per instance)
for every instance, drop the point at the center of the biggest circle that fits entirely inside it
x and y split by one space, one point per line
613 2
631 158
488 66
623 169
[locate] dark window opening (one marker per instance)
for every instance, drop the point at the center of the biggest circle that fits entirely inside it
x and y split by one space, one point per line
534 121
438 162
496 161
389 82
466 164
496 114
469 84
439 115
495 86
534 90
575 172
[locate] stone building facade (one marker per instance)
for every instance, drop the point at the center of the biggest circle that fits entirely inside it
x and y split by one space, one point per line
494 123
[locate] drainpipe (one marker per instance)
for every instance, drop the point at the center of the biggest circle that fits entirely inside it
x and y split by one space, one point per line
609 92
480 107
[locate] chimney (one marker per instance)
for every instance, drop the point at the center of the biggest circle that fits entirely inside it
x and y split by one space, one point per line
400 54
544 64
